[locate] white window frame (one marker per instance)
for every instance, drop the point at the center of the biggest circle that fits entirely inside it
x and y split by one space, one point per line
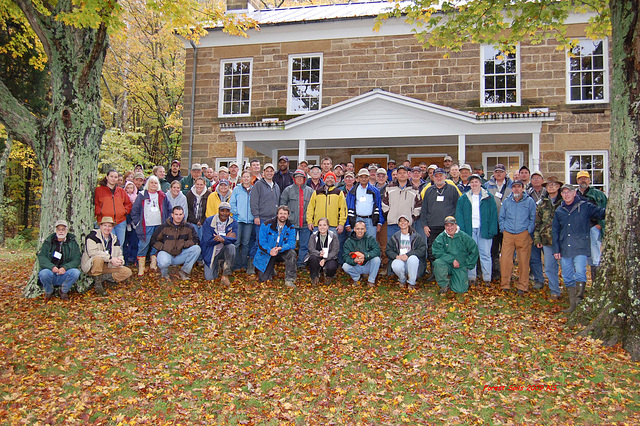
605 166
488 173
309 158
290 110
483 103
605 77
223 62
229 160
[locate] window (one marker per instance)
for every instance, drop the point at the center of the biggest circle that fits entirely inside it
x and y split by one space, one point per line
587 79
305 83
311 160
235 87
512 162
594 162
500 81
228 160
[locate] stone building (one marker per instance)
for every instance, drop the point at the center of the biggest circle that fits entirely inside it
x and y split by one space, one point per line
318 81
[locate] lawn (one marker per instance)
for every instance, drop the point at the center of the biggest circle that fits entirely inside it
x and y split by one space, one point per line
196 353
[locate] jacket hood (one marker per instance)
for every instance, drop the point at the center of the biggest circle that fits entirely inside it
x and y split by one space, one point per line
483 194
193 190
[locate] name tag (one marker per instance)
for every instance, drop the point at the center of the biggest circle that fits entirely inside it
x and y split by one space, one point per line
57 255
222 234
499 194
403 251
440 198
363 199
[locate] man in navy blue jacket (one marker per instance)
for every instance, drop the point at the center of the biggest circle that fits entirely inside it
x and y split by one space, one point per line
218 244
571 243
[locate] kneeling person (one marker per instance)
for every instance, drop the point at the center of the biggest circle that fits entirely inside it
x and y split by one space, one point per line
324 247
407 251
361 254
59 259
277 241
218 244
102 257
177 244
455 254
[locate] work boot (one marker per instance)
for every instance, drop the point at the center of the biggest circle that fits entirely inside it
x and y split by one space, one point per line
108 279
97 285
327 280
290 284
141 262
572 300
443 290
594 272
225 281
580 292
537 285
495 270
64 296
251 270
183 275
315 281
48 297
153 264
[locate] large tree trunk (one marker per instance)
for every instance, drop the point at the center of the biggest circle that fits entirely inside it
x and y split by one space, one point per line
67 141
4 159
611 310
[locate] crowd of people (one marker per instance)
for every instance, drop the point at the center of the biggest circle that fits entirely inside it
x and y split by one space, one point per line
447 223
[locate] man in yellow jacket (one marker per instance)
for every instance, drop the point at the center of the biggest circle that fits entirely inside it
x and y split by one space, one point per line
328 201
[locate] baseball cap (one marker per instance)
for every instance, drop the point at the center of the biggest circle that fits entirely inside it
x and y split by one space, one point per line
381 170
432 166
196 166
439 170
284 157
448 158
450 219
373 166
499 167
303 161
416 169
223 169
299 173
204 166
266 166
391 160
224 205
176 162
61 222
582 173
233 164
537 172
475 176
466 167
363 172
315 166
338 165
479 167
138 175
223 182
567 186
403 167
349 173
405 217
517 182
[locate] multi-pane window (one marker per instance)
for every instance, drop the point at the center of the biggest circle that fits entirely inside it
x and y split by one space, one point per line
587 65
305 83
594 162
500 81
235 87
512 162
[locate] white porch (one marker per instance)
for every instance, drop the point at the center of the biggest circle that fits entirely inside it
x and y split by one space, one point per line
380 119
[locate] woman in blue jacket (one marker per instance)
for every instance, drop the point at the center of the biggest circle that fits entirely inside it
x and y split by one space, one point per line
241 212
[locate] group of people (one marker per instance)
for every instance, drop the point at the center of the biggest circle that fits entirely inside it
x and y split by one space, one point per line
403 219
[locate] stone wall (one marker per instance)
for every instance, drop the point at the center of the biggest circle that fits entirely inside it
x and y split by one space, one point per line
399 65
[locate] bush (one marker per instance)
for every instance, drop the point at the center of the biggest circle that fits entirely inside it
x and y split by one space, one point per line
21 242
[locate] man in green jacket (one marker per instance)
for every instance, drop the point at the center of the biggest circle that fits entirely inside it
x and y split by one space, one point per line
455 254
597 197
361 255
59 260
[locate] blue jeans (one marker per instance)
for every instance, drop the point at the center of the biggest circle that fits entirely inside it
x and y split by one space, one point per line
120 230
254 246
369 268
143 246
392 229
535 264
228 255
303 241
551 269
187 258
596 246
371 230
410 268
574 269
243 243
341 239
484 247
66 280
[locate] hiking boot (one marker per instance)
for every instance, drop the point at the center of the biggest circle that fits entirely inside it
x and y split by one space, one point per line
371 285
327 280
97 286
580 287
402 285
47 297
225 280
153 264
183 275
443 290
290 284
572 300
64 296
411 287
251 270
521 293
315 281
537 285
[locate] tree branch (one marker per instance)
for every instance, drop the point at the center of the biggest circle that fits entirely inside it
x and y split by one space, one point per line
19 121
39 23
96 51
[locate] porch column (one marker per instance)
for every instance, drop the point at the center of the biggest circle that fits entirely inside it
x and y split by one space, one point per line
534 160
274 157
302 150
240 154
462 149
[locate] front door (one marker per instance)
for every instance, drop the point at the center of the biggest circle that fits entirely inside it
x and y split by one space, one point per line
363 162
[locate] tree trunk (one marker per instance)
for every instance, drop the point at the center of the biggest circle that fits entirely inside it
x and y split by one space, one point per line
27 196
4 159
611 310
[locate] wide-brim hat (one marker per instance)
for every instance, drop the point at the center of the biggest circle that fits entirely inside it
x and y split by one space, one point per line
107 219
552 179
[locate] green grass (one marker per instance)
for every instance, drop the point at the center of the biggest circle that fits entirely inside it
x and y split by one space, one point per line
195 353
